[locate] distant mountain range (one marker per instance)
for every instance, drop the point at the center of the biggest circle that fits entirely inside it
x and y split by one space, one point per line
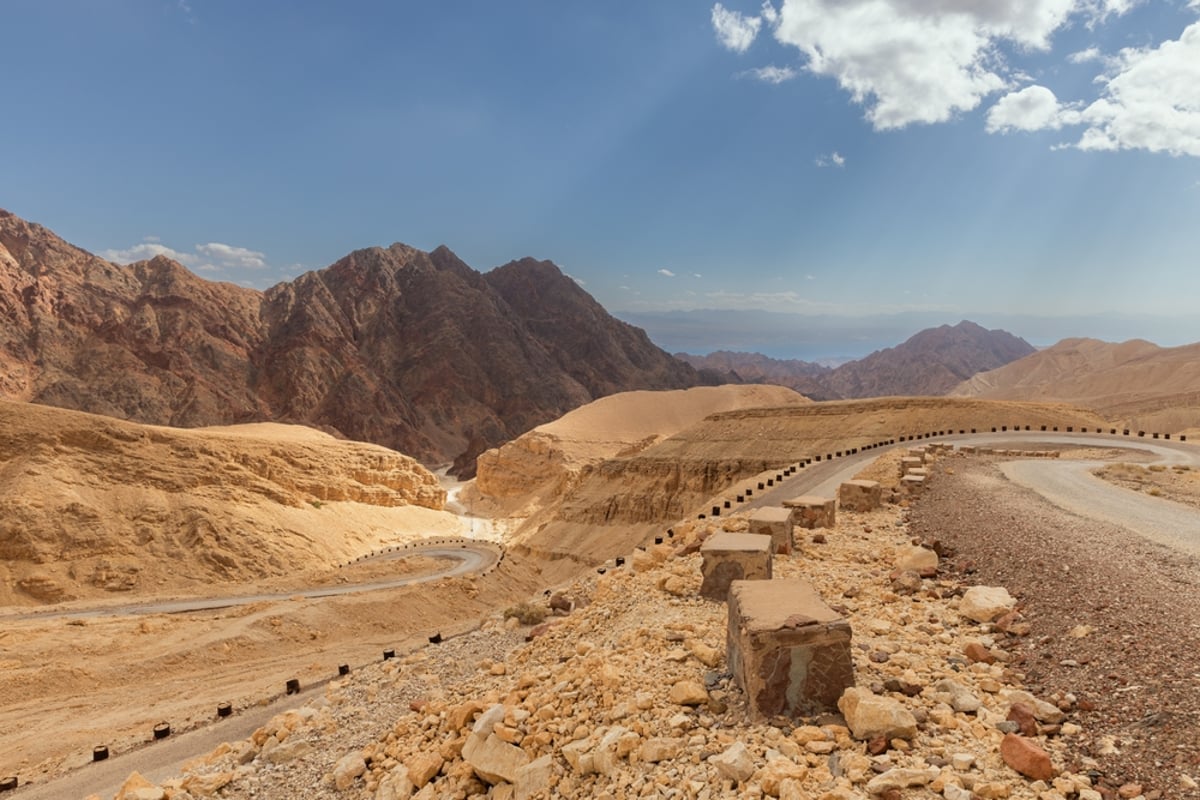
932 362
412 350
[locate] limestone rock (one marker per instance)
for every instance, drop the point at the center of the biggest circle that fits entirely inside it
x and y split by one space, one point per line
493 759
917 559
423 767
688 693
986 603
347 769
869 715
901 778
735 763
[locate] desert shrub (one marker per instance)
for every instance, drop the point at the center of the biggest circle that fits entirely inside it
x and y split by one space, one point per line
527 613
1157 468
1155 492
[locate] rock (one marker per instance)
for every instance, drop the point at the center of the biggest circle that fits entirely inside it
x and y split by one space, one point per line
986 603
956 696
614 745
423 767
899 778
869 715
494 760
688 693
1043 711
1022 714
735 763
659 749
1027 758
917 559
347 769
281 753
533 778
207 785
979 654
777 772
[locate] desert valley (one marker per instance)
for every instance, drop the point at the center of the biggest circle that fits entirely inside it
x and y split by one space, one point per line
401 529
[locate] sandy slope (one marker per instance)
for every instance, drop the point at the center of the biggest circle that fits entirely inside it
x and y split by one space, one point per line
1136 382
92 507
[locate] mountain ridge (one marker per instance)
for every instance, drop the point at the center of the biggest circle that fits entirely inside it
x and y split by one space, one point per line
412 350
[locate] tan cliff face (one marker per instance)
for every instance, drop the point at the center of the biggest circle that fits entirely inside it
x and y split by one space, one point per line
551 459
93 504
412 350
615 503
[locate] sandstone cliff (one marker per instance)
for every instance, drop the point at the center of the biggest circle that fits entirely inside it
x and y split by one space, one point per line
547 461
93 504
412 350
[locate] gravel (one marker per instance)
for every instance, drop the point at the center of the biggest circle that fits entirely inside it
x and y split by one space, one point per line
1135 674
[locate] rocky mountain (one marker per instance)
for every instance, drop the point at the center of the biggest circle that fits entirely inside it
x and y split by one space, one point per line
412 350
932 362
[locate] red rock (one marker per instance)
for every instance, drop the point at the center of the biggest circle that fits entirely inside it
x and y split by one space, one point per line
877 746
1027 758
978 653
1130 790
1022 714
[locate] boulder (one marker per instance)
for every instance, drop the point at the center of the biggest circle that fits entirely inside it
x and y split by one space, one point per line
868 715
986 603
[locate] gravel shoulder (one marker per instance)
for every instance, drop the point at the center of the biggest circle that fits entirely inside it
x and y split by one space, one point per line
1114 617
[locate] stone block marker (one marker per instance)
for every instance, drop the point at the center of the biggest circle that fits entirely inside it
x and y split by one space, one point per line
912 484
789 652
729 557
910 463
860 495
810 511
775 522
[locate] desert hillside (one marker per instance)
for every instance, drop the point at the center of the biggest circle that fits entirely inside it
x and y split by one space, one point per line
409 349
94 506
1135 383
545 461
618 502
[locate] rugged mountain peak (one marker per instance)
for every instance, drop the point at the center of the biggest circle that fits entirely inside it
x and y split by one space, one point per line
413 350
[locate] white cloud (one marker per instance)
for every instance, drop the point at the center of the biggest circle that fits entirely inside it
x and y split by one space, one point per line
834 159
210 257
148 248
697 275
230 256
1084 56
579 281
910 61
735 31
771 74
666 272
1033 108
809 278
1152 102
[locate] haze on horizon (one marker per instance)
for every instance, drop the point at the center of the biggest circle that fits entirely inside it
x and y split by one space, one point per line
1029 165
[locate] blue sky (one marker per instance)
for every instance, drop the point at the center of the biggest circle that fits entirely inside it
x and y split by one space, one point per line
817 157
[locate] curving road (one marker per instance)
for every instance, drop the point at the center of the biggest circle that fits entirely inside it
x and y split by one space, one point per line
471 557
1067 484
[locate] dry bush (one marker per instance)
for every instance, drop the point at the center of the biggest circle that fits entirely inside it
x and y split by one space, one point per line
527 613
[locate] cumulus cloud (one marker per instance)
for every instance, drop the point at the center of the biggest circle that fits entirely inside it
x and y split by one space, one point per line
210 257
912 61
1084 56
233 256
1150 101
734 30
666 272
771 74
1033 108
834 159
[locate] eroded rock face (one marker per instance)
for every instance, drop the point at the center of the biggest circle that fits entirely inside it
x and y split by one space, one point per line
412 350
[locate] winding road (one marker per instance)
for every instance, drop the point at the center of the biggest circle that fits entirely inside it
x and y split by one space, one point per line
471 557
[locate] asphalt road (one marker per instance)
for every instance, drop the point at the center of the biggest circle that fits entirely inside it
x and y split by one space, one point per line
470 557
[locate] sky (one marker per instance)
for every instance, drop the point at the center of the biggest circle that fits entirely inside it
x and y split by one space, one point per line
793 161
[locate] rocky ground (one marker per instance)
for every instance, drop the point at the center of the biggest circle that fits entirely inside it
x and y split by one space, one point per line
1114 620
628 694
1179 483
